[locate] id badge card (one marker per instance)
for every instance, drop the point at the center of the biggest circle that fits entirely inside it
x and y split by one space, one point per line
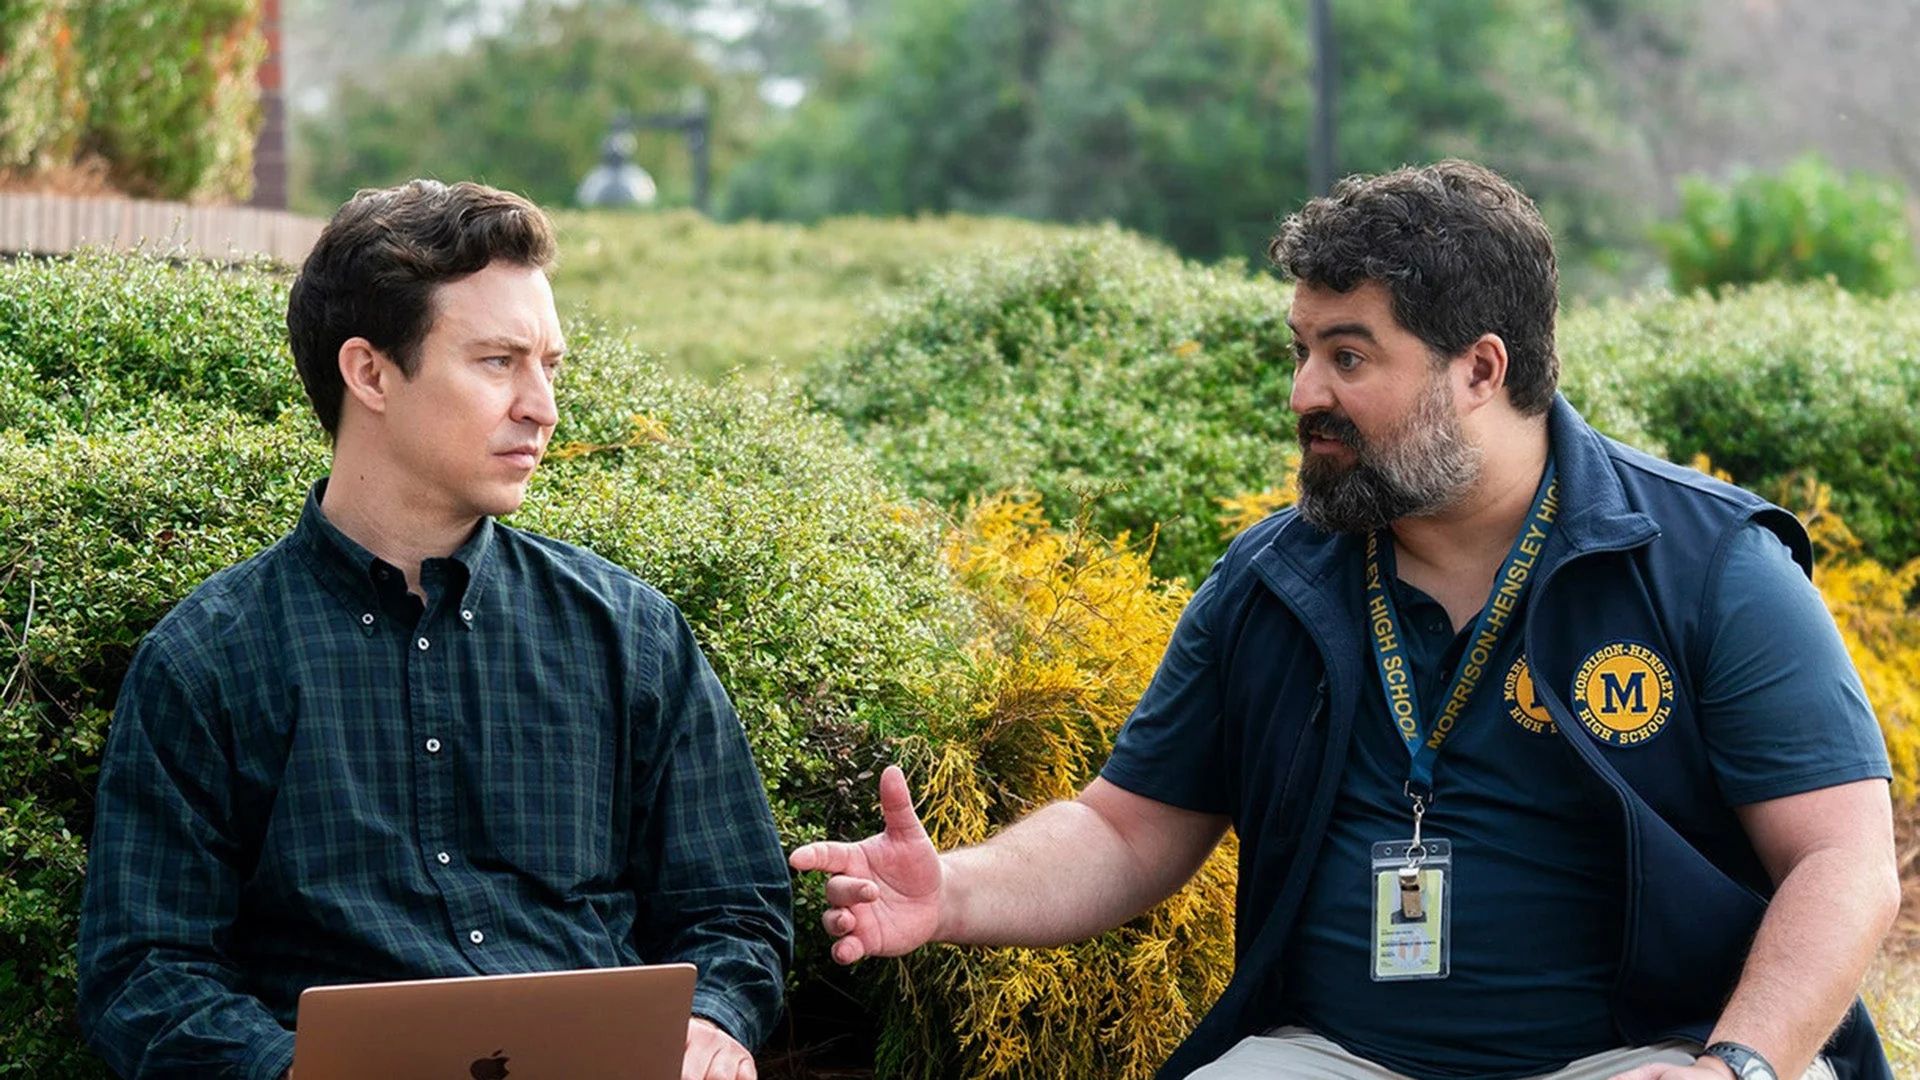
1412 910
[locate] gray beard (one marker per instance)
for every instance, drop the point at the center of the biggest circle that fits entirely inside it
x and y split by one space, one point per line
1424 465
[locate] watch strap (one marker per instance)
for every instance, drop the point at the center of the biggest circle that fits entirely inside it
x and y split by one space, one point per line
1745 1061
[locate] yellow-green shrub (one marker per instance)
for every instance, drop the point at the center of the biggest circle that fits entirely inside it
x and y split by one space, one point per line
1072 627
1870 603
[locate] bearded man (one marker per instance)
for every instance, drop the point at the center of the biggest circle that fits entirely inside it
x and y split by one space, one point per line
1545 757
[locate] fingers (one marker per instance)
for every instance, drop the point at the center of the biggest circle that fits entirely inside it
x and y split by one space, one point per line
712 1054
698 1063
844 892
896 806
848 950
831 856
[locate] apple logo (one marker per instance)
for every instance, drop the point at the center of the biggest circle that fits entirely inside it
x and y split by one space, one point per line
489 1068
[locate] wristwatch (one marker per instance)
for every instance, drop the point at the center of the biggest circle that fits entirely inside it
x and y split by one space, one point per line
1745 1061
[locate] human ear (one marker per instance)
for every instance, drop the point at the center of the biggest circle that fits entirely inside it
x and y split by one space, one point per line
1486 369
364 370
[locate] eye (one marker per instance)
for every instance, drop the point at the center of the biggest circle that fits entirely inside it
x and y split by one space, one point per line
1347 359
1299 354
501 362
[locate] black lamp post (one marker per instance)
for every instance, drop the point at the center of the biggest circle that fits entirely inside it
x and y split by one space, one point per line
1325 80
614 178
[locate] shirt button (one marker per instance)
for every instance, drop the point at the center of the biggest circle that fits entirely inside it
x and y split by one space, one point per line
476 937
433 746
444 858
422 643
467 615
366 619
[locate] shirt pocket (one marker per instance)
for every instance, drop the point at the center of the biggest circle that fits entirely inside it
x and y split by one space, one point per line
545 799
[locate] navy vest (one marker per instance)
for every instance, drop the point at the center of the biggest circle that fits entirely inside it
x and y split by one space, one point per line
1626 563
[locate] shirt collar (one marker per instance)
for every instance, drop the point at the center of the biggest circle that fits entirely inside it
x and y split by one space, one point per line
358 578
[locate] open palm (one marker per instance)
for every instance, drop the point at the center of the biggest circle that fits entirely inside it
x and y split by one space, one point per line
884 895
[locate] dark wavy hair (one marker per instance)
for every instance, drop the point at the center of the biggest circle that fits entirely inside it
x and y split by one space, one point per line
1461 251
373 271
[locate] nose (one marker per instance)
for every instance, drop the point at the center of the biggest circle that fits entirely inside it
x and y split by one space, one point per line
1311 390
533 398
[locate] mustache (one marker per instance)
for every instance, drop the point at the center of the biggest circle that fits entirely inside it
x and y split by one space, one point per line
1327 424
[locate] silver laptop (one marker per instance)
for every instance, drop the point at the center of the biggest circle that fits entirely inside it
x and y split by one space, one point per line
605 1024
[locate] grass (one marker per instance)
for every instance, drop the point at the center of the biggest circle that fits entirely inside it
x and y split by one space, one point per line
709 297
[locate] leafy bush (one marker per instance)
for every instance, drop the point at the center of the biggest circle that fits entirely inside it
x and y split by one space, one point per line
1804 223
88 343
39 86
822 600
174 93
164 92
1072 628
1768 381
1104 362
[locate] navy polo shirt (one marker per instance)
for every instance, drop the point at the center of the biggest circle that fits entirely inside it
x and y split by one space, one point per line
1538 887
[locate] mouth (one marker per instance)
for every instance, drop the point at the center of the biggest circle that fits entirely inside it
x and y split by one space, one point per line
1323 433
522 457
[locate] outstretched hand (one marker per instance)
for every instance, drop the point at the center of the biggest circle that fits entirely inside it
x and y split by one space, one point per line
884 896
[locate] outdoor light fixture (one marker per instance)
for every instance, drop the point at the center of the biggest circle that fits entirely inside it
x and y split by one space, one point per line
617 181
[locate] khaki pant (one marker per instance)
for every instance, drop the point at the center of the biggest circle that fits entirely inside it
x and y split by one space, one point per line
1297 1052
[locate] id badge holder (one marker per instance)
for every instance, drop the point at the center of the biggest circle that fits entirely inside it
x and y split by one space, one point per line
1412 910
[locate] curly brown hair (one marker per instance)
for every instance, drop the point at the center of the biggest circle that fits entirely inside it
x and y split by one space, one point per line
1461 251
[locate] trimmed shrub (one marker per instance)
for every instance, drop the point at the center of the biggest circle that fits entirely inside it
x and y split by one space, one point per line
842 627
1104 364
1768 381
1807 222
89 343
41 108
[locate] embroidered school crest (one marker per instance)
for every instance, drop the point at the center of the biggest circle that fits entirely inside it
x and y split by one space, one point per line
1623 693
1523 705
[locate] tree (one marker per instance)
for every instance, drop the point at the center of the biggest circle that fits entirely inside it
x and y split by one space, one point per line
1187 119
526 109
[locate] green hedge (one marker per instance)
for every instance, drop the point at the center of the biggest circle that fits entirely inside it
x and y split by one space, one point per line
1768 381
1105 363
818 596
88 344
174 93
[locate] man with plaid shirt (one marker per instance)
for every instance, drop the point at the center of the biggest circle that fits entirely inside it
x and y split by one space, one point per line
409 742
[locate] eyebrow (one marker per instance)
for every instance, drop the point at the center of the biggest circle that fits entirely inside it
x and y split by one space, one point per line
1357 330
512 345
